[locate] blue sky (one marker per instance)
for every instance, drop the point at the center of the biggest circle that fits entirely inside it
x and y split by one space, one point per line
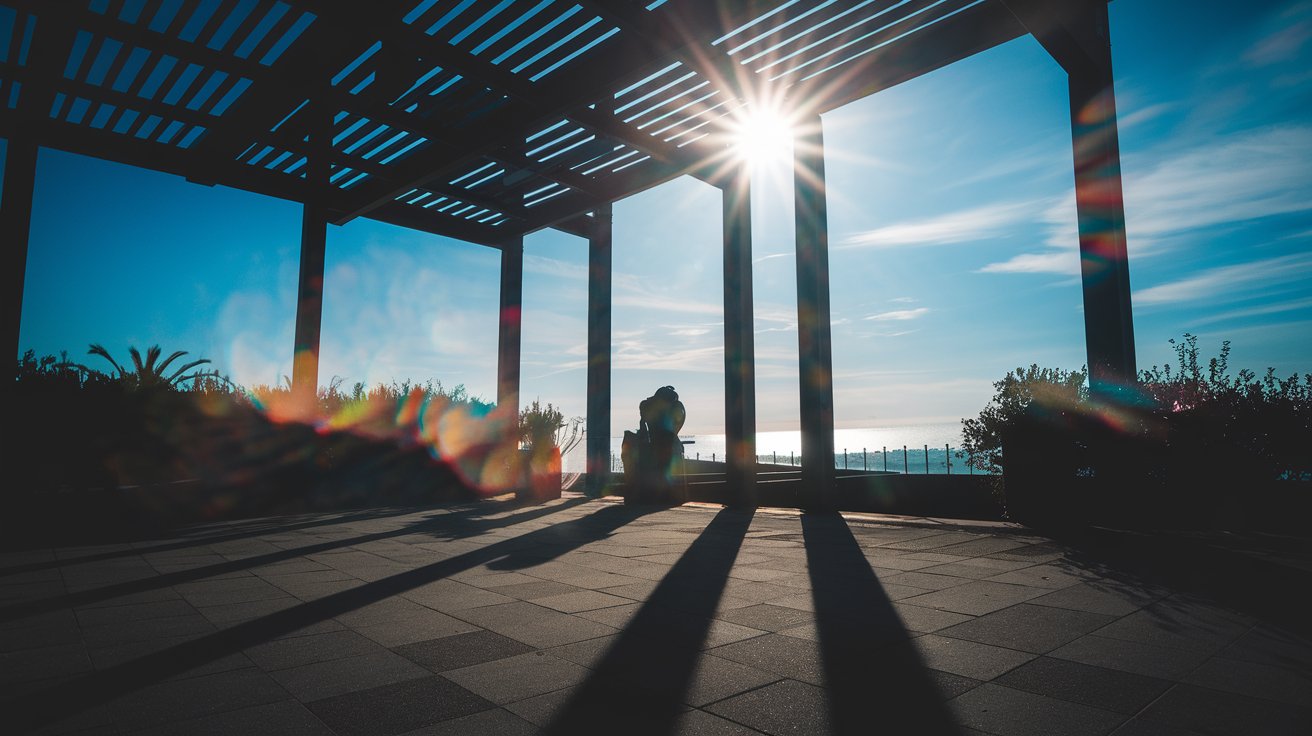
952 233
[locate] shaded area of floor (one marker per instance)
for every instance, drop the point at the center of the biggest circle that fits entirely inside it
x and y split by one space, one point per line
593 617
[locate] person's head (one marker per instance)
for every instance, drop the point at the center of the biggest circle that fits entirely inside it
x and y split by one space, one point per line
668 393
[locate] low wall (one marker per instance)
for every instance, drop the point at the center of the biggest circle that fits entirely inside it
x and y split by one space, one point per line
950 496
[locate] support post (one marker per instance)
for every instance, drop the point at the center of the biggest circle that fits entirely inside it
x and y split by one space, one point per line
309 290
739 342
815 362
15 230
1077 36
508 332
1100 207
599 352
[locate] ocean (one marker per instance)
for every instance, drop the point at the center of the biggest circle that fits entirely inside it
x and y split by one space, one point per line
860 448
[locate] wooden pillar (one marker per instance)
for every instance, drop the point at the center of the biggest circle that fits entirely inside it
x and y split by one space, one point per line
309 290
508 334
599 352
815 362
15 229
739 342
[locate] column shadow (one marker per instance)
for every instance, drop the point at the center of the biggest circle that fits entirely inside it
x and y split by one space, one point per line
639 685
449 525
95 689
877 681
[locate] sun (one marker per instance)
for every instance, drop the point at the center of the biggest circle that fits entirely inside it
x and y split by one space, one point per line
763 138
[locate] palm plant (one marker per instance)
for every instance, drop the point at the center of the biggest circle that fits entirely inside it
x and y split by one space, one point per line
152 372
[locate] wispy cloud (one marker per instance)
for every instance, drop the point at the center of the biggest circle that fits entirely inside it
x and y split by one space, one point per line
899 315
963 226
1286 42
1256 174
1228 280
1056 262
1258 311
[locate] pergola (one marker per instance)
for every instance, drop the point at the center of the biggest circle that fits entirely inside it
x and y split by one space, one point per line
487 120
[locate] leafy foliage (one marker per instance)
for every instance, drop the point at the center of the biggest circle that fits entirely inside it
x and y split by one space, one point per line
1259 426
151 372
982 436
544 427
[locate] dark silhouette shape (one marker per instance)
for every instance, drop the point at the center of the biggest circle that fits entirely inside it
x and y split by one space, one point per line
246 530
638 687
876 679
89 691
652 454
432 524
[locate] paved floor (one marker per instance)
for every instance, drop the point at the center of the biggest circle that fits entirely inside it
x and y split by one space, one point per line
578 618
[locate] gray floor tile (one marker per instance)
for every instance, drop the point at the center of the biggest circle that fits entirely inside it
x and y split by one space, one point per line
968 658
1130 656
717 678
1001 710
783 655
1099 687
1214 712
398 708
535 625
281 654
1098 597
786 708
288 717
462 650
516 678
178 700
767 617
1257 680
1037 629
348 674
976 598
30 665
495 722
583 600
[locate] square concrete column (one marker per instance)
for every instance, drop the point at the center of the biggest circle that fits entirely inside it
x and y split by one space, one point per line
815 361
599 352
1100 206
739 342
1077 36
509 327
15 230
309 298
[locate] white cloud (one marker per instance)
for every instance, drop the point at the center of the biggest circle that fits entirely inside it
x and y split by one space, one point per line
1228 280
1277 308
1255 174
977 223
1059 262
899 315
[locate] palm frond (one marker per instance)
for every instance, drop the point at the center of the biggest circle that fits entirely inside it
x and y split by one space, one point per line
162 366
152 354
176 374
136 360
100 350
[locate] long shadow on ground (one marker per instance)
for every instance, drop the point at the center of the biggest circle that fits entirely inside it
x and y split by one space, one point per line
232 532
639 685
877 681
89 691
446 525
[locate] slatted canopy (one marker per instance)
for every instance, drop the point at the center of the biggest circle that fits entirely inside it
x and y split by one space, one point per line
480 120
485 120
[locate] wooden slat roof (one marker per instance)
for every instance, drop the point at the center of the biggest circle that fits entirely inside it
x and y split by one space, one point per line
476 119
